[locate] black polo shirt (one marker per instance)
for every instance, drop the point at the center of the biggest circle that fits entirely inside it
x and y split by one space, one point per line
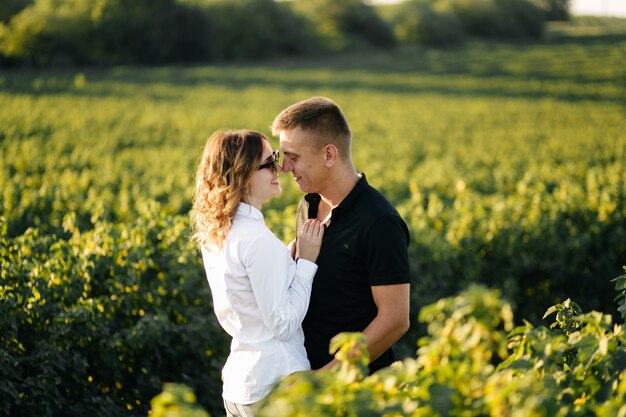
364 245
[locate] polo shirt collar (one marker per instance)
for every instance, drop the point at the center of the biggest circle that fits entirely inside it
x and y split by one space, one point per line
246 210
348 201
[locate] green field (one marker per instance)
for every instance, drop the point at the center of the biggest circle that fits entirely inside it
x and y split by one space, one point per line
506 160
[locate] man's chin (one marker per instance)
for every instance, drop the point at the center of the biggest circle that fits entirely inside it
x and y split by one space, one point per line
303 187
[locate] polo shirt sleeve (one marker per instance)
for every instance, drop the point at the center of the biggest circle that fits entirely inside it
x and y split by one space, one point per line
386 250
281 287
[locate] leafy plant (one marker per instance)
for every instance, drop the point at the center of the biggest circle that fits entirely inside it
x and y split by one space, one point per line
97 323
471 365
620 286
176 400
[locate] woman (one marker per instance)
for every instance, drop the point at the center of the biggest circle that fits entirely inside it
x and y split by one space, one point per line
260 294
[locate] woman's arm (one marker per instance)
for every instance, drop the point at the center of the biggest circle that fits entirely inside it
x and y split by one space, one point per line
281 286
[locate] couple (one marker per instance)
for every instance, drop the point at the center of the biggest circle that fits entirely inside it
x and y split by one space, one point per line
347 270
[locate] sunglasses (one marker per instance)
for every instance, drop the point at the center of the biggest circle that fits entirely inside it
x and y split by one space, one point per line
272 163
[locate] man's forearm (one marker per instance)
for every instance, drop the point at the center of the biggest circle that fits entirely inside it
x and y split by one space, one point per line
383 332
392 319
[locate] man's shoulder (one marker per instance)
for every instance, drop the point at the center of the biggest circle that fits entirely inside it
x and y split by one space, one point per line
377 212
374 201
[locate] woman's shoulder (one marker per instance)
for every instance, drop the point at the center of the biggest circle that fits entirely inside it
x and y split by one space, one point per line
242 225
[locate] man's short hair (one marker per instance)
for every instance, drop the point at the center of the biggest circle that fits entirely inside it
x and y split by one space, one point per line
319 115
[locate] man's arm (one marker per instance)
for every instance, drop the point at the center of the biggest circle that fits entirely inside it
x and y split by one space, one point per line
388 260
391 322
388 273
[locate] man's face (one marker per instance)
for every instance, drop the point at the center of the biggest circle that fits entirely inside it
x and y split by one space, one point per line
303 160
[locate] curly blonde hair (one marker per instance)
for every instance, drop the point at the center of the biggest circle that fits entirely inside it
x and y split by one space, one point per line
229 159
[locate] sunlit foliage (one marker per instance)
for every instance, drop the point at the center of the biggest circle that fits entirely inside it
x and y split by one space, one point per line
472 363
507 162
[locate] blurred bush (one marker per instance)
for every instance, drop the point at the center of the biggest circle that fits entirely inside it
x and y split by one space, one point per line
340 25
77 32
50 32
152 31
554 9
497 18
249 29
9 8
417 22
67 32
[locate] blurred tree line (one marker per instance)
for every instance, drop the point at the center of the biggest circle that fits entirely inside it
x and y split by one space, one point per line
105 32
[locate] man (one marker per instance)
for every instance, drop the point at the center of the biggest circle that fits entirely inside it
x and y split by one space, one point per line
362 281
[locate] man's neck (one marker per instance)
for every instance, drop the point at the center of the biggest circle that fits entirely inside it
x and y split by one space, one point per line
339 187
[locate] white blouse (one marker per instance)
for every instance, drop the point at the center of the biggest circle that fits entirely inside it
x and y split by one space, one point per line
260 296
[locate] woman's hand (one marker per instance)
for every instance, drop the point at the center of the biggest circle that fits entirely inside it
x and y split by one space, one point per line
292 248
310 240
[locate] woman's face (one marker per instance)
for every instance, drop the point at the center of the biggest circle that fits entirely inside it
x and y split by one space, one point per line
264 182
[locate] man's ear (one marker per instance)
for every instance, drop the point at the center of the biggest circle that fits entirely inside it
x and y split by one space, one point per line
330 155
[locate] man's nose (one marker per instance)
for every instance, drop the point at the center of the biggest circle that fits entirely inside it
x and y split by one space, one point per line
286 167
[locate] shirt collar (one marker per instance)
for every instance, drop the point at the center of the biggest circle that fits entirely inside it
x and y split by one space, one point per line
246 210
348 201
353 195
